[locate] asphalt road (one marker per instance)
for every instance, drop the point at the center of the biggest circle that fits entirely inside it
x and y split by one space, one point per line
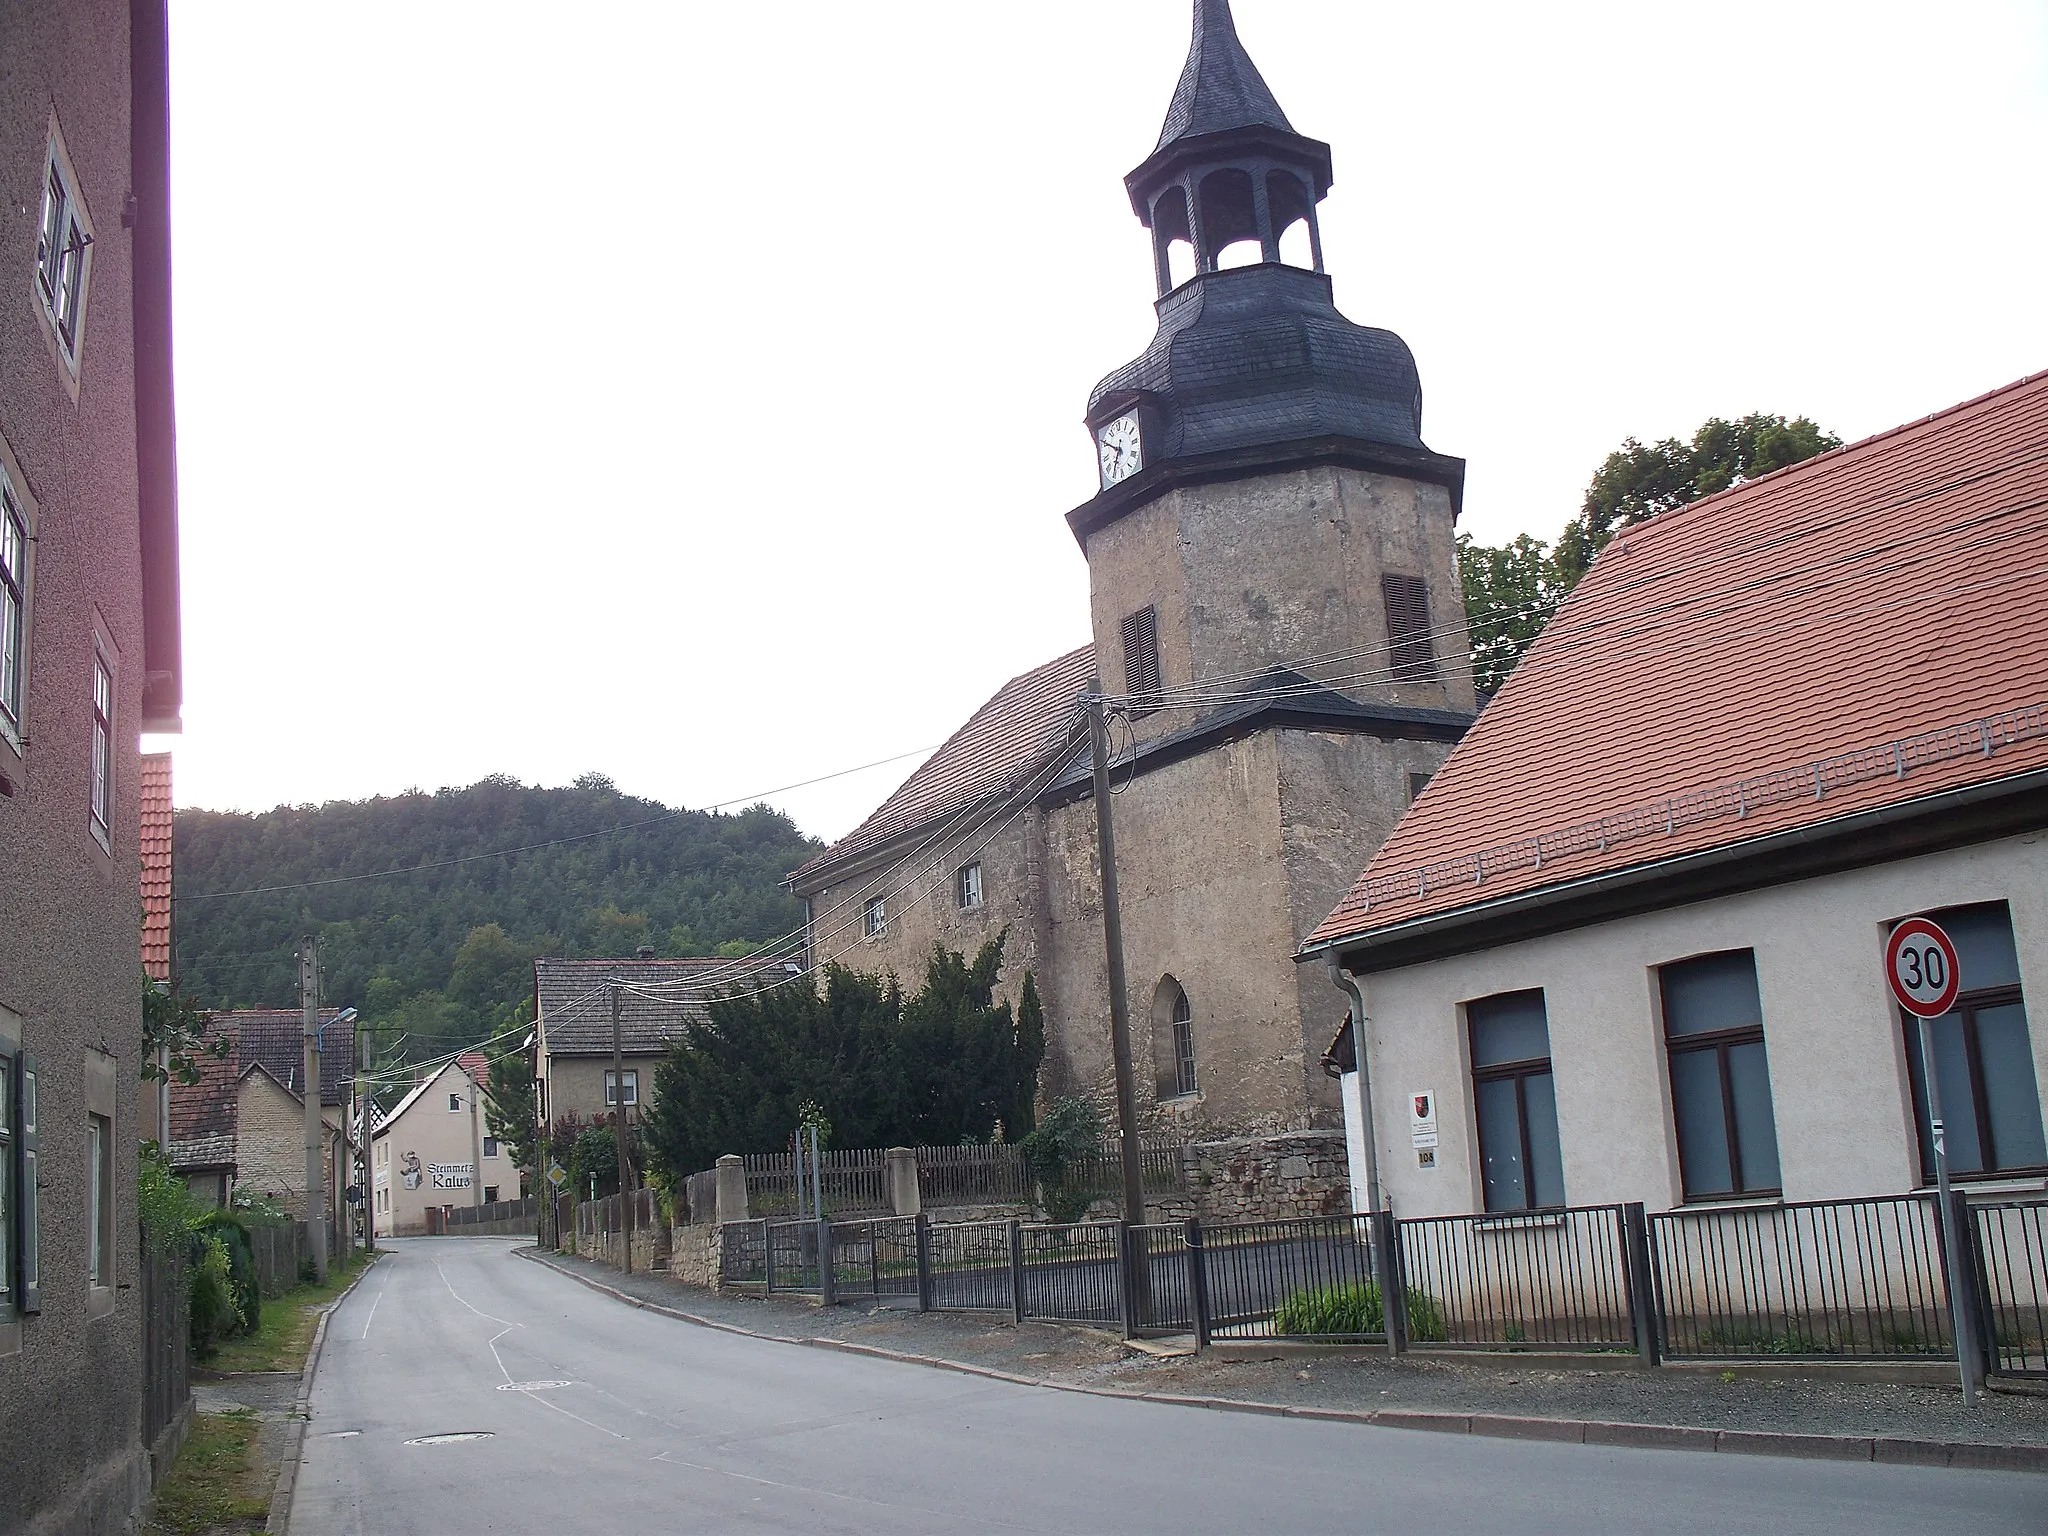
604 1418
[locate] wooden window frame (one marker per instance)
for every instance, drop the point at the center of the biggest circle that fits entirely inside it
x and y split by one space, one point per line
1721 1042
612 1090
875 916
963 877
1519 1072
104 706
1968 1005
17 545
1186 1084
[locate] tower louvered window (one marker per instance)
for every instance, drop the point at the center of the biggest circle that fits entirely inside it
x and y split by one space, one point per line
1411 656
1141 660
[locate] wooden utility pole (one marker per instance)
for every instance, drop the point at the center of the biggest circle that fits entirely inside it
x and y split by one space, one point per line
316 1199
1113 944
368 1147
619 1126
476 1147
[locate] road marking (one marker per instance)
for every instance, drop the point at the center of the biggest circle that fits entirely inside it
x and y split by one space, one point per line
479 1312
373 1307
455 1437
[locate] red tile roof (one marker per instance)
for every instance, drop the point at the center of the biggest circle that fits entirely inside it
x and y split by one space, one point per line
1855 632
156 864
994 752
203 1121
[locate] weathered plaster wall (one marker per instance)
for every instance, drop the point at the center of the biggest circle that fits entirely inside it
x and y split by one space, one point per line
1833 1039
575 1084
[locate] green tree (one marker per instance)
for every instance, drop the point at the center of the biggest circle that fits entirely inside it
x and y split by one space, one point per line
509 1110
491 971
174 1028
1511 591
949 1064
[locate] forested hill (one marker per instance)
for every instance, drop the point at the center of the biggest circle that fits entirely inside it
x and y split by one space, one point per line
445 953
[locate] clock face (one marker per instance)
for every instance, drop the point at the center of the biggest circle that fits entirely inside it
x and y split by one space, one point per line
1119 447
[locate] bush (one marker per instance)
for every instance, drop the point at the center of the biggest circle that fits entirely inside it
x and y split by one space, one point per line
1354 1309
213 1310
1070 1133
234 1236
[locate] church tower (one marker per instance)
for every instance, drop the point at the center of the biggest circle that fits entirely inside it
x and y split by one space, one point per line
1266 495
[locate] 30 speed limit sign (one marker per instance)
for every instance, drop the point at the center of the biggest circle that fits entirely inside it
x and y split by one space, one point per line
1920 962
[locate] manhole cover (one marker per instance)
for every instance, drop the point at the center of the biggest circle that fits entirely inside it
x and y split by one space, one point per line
531 1386
451 1439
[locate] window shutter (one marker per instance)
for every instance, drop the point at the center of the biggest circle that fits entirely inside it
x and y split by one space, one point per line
31 1154
1141 659
1409 650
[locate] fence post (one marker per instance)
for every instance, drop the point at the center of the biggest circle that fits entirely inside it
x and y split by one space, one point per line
1642 1290
1198 1283
767 1256
1123 1271
828 1281
1973 1341
924 1262
1017 1273
1386 1264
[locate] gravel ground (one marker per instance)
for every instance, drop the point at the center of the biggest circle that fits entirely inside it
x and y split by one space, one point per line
1814 1405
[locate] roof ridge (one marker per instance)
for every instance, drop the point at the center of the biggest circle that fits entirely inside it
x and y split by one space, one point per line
1831 456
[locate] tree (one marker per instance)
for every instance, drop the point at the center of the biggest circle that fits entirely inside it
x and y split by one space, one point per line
491 971
174 1027
1511 591
948 1064
509 1111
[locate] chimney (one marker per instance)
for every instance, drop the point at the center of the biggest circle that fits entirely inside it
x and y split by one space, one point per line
644 952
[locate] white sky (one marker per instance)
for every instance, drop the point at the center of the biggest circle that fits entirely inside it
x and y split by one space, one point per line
693 393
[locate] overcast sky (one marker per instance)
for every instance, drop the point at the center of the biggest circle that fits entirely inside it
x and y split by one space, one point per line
693 393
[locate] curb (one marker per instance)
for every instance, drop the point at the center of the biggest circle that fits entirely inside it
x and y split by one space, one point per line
279 1519
1889 1450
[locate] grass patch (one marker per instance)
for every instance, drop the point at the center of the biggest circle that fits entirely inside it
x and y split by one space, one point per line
215 1484
1355 1308
281 1342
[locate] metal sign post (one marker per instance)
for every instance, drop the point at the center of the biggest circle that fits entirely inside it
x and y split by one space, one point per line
1925 973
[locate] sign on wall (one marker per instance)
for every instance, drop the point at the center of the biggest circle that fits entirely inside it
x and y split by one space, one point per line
1422 1127
450 1175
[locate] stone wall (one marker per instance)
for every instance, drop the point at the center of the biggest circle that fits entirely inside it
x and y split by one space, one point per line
1274 1178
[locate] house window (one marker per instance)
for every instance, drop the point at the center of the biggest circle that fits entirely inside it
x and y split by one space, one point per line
1141 660
6 1186
1521 1162
967 886
1983 1057
63 250
454 1103
1417 783
1720 1079
1410 654
877 918
1183 1046
490 1146
14 548
102 745
100 1209
611 1089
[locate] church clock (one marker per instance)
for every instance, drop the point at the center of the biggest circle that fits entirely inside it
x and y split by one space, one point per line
1121 449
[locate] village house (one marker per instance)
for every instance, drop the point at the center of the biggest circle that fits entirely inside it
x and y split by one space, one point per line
434 1151
1278 618
243 1124
572 1038
1629 946
89 660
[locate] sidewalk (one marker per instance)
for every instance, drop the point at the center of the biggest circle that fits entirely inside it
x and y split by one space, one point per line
1791 1415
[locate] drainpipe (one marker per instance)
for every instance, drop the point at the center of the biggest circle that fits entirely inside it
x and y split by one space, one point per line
1346 983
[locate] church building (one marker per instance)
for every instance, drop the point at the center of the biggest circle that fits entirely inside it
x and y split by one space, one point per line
1279 629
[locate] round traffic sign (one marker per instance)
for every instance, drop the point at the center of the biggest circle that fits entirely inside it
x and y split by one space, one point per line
1921 965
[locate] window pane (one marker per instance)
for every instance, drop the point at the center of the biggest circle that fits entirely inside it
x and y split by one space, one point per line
1959 1111
1983 940
2010 1093
1509 1028
1546 1156
1756 1129
1500 1145
1702 1132
1712 992
93 1152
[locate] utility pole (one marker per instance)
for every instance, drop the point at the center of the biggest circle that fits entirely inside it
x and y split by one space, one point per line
316 1198
1113 943
619 1127
476 1149
369 1148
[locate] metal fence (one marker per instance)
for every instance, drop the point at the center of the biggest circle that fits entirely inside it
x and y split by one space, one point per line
2011 1241
1072 1273
1817 1280
1308 1277
1536 1280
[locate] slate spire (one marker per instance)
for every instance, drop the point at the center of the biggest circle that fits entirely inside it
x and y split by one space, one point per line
1220 87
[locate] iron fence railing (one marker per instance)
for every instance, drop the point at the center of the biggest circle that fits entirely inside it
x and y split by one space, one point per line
875 1258
1305 1278
2011 1238
1523 1280
1816 1280
969 1267
1073 1273
743 1254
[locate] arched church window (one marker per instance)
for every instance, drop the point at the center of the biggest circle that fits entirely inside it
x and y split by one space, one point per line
1183 1044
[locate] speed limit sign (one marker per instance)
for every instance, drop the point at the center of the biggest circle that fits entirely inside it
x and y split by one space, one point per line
1920 962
